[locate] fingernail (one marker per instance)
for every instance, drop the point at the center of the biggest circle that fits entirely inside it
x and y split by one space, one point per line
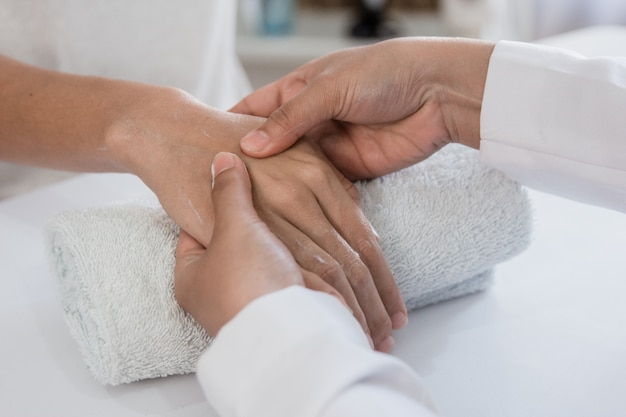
222 162
255 141
386 345
369 339
399 320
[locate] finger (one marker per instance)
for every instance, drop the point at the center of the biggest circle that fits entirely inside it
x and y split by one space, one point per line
364 264
312 258
347 272
351 223
305 110
232 190
324 251
354 194
359 234
311 220
187 244
187 249
314 282
261 102
268 98
350 188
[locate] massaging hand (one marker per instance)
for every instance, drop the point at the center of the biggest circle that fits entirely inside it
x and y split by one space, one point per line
301 197
393 104
243 260
169 139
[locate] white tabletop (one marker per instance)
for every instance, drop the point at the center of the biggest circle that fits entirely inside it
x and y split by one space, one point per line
549 339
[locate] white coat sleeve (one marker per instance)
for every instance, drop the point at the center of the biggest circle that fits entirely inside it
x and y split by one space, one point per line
556 121
300 353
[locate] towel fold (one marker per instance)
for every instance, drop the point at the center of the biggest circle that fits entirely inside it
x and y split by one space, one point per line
443 224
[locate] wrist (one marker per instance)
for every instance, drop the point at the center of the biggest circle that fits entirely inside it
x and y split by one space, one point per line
461 82
153 129
131 112
149 125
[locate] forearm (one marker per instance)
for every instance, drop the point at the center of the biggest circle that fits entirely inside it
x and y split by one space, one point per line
84 123
55 120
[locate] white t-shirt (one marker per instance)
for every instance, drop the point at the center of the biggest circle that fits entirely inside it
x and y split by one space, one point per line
189 44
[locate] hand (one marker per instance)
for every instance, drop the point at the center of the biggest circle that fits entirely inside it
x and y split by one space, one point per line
393 104
243 260
169 139
300 196
303 199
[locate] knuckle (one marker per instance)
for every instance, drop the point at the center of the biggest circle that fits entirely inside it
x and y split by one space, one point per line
358 274
367 247
276 199
280 196
315 173
314 282
352 190
284 122
294 83
380 327
290 197
331 272
281 118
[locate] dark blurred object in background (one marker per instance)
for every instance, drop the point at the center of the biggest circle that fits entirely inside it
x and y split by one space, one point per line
371 20
413 5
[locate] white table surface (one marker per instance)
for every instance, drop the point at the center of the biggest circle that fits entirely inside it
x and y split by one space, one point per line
548 339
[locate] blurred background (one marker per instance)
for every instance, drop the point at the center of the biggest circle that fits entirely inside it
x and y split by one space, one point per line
309 28
276 36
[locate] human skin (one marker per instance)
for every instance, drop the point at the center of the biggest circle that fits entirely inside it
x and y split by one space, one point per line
169 139
243 260
379 108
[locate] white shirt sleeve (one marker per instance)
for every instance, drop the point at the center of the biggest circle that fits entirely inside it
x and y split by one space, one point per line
556 121
301 353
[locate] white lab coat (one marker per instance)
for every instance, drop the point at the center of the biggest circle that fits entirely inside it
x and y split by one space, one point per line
556 121
550 119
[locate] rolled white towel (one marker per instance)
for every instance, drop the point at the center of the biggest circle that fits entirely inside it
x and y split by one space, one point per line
443 224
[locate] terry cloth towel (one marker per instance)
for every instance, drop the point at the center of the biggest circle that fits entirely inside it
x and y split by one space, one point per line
443 224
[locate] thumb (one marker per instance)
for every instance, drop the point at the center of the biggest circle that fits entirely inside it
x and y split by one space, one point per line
306 110
232 190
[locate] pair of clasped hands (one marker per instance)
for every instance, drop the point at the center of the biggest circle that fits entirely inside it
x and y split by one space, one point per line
285 210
